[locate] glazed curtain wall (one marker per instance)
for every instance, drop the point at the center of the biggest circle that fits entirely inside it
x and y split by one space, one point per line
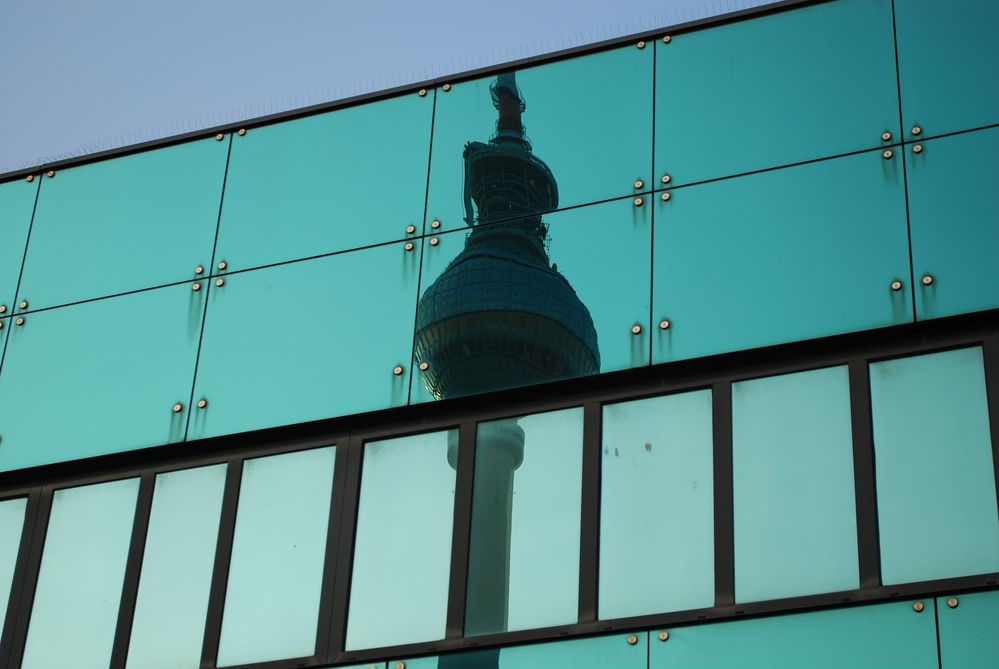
806 173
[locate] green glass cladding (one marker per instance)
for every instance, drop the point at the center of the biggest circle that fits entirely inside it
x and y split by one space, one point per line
326 183
17 202
99 377
936 489
780 256
120 225
589 119
968 624
954 221
948 62
799 85
868 637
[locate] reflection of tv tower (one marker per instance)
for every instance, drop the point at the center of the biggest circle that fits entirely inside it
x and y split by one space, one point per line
501 316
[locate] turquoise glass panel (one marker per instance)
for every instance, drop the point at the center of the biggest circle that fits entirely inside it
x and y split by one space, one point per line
278 555
525 302
168 626
935 479
11 526
99 377
75 610
138 221
542 138
402 547
307 340
792 483
968 630
657 459
17 202
325 183
954 218
523 562
605 652
948 65
780 89
866 637
781 256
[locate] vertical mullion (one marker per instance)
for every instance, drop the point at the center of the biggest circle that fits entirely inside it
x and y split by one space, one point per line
865 483
336 521
589 535
990 356
32 565
220 571
721 429
337 632
28 531
133 569
461 532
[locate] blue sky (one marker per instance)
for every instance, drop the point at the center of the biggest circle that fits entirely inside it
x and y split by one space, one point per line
79 77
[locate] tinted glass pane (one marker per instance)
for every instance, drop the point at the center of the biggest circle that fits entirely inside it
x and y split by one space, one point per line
540 138
954 218
948 63
794 499
524 302
968 630
169 623
657 506
76 601
321 183
307 340
934 466
17 201
775 90
133 222
778 256
278 553
596 653
866 637
402 550
11 525
99 377
523 563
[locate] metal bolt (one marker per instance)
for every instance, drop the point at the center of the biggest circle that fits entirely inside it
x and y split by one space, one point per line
664 636
202 404
664 324
30 178
422 93
178 407
896 285
927 280
410 229
223 265
397 370
1 325
424 366
636 329
446 87
435 224
51 174
200 269
409 246
3 308
887 154
196 287
19 321
665 197
952 602
632 640
23 304
639 183
667 39
886 136
241 132
434 241
918 148
916 130
638 201
641 45
219 282
666 179
400 665
219 137
918 607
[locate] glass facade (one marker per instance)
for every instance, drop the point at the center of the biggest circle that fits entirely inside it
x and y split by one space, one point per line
620 346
